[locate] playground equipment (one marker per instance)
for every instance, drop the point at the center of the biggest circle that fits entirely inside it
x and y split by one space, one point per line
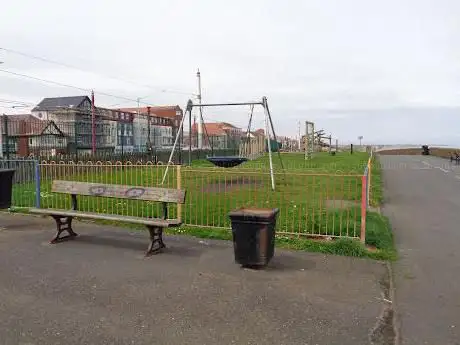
309 139
252 147
233 160
226 161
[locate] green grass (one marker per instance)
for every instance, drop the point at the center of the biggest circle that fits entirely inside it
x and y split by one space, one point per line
376 192
343 162
379 240
303 195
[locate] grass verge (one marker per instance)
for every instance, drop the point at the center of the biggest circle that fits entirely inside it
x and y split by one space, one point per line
379 238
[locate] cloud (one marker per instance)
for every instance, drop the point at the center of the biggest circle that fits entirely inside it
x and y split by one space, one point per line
351 66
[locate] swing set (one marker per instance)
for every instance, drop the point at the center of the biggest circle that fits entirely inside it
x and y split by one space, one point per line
228 161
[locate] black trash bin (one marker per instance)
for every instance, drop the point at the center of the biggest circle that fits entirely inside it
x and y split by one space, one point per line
6 186
425 150
253 235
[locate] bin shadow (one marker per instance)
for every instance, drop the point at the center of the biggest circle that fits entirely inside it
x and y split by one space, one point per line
286 263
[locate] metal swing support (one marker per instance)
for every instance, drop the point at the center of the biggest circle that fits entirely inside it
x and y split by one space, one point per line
268 126
309 139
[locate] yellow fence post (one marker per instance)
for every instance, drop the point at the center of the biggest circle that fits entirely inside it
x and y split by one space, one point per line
179 186
369 181
363 208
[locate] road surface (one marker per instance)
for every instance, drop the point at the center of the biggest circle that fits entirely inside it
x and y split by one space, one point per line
422 200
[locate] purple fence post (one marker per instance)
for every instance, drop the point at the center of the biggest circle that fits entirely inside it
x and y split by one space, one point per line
37 184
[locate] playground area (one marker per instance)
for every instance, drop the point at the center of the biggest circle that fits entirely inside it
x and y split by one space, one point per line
318 197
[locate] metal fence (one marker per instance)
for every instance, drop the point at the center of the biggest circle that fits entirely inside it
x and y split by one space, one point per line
25 184
310 204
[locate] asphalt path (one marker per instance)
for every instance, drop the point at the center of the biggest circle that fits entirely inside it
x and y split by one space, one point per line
100 289
422 200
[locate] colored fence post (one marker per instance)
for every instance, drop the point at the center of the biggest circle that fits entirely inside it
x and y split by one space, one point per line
37 184
363 207
368 184
179 186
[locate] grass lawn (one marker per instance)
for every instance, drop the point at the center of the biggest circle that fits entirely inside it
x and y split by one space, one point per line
317 197
343 162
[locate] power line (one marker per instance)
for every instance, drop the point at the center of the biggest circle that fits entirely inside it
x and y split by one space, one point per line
72 86
14 102
81 111
30 56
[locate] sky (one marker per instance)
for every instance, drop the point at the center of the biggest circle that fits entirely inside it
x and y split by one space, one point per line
387 70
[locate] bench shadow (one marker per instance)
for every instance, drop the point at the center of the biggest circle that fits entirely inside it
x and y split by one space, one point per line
17 227
137 244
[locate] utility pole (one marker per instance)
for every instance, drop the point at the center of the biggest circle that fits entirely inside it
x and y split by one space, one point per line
149 144
93 125
200 120
300 137
189 110
3 144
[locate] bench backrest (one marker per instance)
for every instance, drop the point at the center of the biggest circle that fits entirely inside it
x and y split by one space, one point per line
119 191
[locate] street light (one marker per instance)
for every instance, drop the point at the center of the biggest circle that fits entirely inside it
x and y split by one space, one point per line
360 138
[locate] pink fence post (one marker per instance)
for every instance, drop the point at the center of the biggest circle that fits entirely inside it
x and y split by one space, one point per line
363 207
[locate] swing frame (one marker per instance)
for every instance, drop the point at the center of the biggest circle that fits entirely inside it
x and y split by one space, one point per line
268 124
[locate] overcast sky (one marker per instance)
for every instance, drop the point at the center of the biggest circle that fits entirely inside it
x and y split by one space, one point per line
388 70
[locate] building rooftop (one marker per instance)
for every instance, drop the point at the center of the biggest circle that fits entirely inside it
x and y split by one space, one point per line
214 128
54 103
168 111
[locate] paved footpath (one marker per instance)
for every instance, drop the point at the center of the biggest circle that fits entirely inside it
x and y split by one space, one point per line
422 200
99 289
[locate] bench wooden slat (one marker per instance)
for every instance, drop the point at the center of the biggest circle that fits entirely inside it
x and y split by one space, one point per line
119 191
112 217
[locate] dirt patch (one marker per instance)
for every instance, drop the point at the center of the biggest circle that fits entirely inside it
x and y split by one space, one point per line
320 238
345 204
231 185
372 249
342 204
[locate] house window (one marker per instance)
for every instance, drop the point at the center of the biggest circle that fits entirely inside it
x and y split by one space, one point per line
30 141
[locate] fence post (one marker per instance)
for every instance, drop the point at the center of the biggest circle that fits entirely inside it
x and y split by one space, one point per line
37 184
179 186
368 184
363 207
6 144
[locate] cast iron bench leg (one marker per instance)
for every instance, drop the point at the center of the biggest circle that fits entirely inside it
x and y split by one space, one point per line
63 224
156 236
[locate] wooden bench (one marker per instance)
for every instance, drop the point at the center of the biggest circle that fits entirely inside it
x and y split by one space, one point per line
155 226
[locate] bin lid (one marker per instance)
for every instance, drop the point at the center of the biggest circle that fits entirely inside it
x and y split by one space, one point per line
254 212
